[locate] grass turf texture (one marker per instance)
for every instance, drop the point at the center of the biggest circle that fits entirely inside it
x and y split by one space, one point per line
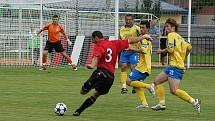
27 94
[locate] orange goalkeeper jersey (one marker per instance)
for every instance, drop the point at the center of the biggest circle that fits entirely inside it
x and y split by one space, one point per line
53 32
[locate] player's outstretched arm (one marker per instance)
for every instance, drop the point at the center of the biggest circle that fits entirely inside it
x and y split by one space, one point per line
132 48
65 36
137 39
93 64
164 51
63 32
38 33
43 28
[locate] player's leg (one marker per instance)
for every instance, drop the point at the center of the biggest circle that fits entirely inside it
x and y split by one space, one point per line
89 84
59 48
48 49
174 82
44 59
87 103
133 59
135 76
102 85
141 95
174 89
123 74
161 78
69 60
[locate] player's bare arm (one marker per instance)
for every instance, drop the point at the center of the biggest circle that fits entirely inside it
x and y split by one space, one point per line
43 28
137 39
63 32
38 33
159 51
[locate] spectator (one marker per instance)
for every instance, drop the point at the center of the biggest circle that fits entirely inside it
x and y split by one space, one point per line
153 27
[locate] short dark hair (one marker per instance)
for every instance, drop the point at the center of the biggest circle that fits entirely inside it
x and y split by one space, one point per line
97 34
55 16
172 22
129 15
145 23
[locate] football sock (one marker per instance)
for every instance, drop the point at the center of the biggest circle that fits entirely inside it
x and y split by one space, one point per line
87 103
141 95
160 93
184 96
124 77
68 59
140 84
44 58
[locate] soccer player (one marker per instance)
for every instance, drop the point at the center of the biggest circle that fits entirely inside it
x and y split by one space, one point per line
127 56
53 42
143 68
177 49
104 57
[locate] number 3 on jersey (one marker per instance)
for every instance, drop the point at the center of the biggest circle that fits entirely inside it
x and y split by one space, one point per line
109 55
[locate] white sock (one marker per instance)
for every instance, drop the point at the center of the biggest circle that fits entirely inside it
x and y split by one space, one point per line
162 102
123 85
192 101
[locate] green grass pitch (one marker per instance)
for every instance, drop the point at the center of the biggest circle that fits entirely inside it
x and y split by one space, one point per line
27 94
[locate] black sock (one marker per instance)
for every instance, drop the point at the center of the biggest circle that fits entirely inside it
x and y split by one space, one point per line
87 103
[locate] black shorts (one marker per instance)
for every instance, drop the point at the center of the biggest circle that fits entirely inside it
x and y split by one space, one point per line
101 79
56 45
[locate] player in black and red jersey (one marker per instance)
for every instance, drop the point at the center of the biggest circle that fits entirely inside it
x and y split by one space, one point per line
104 57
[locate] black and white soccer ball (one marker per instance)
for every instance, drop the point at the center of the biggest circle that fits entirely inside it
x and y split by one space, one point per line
60 109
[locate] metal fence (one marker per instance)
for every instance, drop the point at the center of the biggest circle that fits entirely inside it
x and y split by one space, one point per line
203 51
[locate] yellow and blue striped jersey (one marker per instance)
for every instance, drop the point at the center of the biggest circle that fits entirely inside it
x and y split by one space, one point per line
144 64
126 33
177 48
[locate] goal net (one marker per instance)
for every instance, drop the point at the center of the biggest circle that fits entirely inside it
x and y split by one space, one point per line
21 19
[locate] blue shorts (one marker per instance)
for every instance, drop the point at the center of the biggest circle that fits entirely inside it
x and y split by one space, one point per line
174 72
129 57
136 75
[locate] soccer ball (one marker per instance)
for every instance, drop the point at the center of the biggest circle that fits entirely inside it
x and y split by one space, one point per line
60 109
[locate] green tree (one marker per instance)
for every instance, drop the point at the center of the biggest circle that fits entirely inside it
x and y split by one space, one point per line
148 6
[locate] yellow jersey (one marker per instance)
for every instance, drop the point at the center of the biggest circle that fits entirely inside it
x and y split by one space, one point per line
187 47
177 49
144 64
126 33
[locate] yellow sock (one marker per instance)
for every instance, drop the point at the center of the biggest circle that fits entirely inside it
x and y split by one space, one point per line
141 96
139 84
184 96
124 77
160 93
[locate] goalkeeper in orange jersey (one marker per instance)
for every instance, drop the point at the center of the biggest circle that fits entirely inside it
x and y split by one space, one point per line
177 49
53 42
143 68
